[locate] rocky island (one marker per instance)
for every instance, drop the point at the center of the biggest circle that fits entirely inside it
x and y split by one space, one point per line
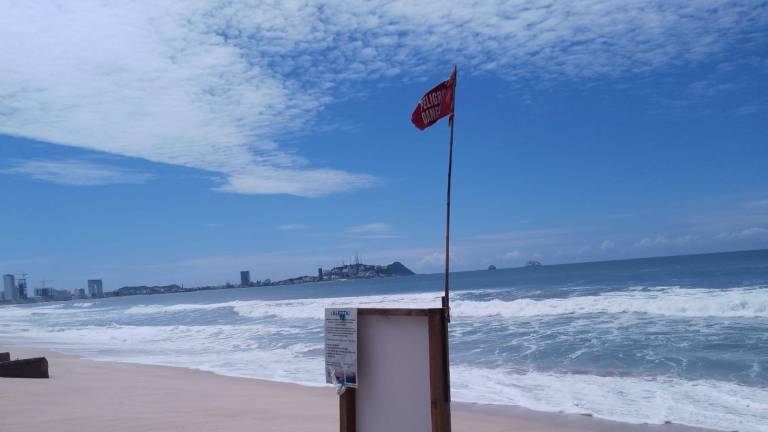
343 272
349 271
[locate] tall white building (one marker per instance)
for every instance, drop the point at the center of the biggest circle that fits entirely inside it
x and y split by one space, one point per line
11 293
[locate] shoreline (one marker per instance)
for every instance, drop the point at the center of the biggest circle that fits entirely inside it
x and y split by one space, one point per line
89 395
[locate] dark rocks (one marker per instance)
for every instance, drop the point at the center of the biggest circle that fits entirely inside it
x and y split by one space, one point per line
398 269
36 367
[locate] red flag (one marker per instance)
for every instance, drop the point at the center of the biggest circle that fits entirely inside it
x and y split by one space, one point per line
435 104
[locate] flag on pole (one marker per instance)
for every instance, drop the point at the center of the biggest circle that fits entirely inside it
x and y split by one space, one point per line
435 104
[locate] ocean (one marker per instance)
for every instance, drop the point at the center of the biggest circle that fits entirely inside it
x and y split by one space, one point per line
681 339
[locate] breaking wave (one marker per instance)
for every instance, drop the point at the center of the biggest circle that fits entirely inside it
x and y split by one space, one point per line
685 302
702 403
55 309
669 301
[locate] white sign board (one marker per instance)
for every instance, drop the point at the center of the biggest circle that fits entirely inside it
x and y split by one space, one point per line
394 370
341 346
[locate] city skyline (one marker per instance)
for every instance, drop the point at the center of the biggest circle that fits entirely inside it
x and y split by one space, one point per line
232 283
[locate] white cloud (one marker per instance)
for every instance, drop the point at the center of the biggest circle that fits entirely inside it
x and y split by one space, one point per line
432 260
76 172
371 228
435 261
311 182
759 204
155 81
525 238
662 240
375 230
649 241
607 245
291 227
744 233
512 38
756 231
217 85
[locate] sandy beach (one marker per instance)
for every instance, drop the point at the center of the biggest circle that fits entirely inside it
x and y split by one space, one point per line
84 395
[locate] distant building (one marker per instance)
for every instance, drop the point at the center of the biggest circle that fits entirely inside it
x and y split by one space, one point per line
61 295
319 273
10 291
46 293
50 293
245 278
95 288
21 284
79 293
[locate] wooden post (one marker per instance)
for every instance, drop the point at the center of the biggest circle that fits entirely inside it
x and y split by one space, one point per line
439 377
347 420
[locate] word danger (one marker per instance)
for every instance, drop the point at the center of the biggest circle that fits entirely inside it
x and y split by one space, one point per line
431 105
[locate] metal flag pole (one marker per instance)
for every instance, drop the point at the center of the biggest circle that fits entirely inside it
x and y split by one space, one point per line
446 297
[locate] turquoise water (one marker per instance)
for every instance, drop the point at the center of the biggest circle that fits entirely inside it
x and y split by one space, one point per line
681 339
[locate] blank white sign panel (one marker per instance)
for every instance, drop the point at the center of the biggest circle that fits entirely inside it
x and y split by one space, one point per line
393 355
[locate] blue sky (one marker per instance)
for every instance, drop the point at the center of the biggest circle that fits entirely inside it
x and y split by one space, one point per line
153 144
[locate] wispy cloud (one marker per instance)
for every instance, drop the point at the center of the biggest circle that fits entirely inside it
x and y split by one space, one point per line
436 260
524 237
512 256
374 230
291 227
745 233
758 204
218 85
76 172
371 228
663 240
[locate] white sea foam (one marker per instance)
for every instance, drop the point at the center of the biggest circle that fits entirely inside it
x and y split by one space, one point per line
233 350
671 301
298 308
55 309
686 302
703 403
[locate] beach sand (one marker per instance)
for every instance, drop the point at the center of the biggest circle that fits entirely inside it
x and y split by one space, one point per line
89 396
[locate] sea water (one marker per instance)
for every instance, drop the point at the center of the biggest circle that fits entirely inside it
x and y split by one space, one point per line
681 339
